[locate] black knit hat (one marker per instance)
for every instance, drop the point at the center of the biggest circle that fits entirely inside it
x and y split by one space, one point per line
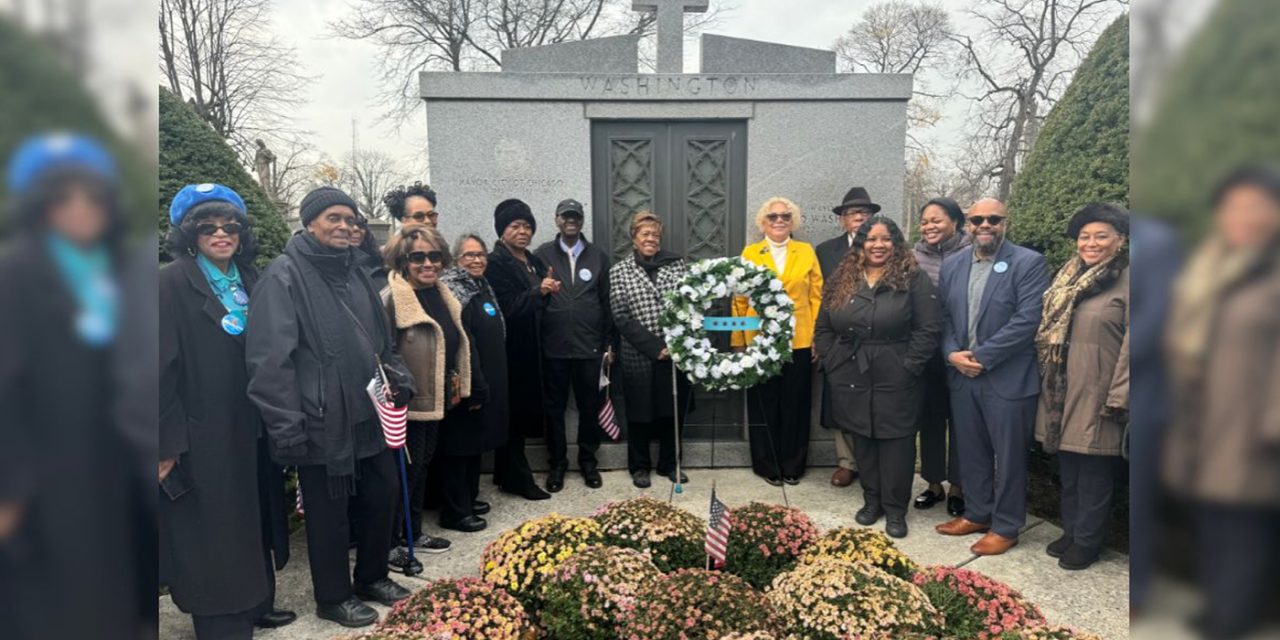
1112 214
509 211
322 198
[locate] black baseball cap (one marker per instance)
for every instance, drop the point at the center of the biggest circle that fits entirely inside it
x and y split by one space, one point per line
570 206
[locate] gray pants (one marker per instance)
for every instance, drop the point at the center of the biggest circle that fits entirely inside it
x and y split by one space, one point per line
993 435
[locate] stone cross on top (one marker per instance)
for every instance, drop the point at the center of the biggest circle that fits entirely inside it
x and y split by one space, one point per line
670 24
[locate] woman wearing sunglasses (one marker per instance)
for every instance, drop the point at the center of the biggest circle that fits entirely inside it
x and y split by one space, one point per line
427 321
780 448
222 508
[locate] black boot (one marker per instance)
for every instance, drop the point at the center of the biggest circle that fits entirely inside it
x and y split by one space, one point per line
1078 558
1059 546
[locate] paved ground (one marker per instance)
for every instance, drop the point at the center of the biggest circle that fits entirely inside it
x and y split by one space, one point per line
1095 600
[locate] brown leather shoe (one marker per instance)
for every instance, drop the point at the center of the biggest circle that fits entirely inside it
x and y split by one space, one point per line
993 544
843 477
960 527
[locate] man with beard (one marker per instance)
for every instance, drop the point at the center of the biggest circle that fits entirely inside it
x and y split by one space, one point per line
576 329
991 294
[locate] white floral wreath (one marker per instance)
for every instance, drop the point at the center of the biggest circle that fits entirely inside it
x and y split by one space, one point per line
683 327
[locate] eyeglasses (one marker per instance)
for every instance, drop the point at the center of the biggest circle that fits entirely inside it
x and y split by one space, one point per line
230 228
994 221
473 255
774 217
855 212
419 257
420 216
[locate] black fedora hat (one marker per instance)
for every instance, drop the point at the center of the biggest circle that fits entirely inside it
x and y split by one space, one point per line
856 197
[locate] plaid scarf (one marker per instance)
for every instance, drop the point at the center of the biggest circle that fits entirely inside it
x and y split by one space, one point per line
1074 283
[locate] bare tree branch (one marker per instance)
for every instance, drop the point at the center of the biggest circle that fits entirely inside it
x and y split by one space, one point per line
221 56
1028 51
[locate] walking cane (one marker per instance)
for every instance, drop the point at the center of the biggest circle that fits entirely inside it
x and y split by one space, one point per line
675 421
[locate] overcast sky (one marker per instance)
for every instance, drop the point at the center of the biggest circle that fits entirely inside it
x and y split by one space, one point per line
345 85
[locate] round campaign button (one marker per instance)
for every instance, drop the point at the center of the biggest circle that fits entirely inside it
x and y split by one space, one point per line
584 274
1001 267
233 323
93 328
205 188
490 309
239 296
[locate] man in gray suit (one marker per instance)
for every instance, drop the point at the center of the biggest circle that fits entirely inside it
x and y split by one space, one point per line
991 295
852 211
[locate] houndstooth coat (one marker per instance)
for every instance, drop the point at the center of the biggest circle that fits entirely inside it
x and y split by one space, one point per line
636 302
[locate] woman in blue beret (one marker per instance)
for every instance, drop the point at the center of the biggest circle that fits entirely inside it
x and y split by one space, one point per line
222 509
69 464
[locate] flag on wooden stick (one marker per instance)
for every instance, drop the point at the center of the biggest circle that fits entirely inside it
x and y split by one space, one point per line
608 419
394 419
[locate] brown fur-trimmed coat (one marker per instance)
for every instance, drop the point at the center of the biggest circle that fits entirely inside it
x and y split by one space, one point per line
419 343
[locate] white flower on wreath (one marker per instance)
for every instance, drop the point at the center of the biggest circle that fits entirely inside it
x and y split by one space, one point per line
738 273
773 354
774 327
775 284
676 331
715 372
748 361
700 371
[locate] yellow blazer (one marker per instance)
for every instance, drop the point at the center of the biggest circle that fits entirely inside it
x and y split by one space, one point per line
802 281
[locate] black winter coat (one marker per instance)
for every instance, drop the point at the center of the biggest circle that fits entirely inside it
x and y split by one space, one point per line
223 493
465 432
873 351
75 563
576 322
295 344
522 305
830 253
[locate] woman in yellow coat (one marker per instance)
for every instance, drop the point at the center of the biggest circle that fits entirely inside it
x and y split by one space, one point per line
780 447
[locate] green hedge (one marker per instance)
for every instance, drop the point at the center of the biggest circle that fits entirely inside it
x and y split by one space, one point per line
1217 112
191 152
1082 154
39 93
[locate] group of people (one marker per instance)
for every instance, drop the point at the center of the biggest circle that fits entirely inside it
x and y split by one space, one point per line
482 345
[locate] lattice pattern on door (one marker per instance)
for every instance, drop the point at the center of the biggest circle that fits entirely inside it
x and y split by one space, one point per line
706 199
631 177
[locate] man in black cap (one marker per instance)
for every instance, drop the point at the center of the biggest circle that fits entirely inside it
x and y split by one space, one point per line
576 334
852 211
314 341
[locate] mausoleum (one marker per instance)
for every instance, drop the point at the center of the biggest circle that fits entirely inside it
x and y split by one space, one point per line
703 150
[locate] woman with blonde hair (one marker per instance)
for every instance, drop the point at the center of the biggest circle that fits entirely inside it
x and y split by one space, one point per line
780 447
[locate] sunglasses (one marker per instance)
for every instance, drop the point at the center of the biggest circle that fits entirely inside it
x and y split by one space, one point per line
423 217
473 255
774 217
994 221
419 257
230 228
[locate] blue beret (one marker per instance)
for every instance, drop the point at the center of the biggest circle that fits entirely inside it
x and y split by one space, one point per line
42 153
194 194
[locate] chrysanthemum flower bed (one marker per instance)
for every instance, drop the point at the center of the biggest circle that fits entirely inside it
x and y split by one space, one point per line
766 540
975 606
832 599
466 607
861 544
519 560
623 574
595 591
696 604
672 536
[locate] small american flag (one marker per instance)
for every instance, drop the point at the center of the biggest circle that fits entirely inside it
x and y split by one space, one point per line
609 421
717 543
607 418
393 419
